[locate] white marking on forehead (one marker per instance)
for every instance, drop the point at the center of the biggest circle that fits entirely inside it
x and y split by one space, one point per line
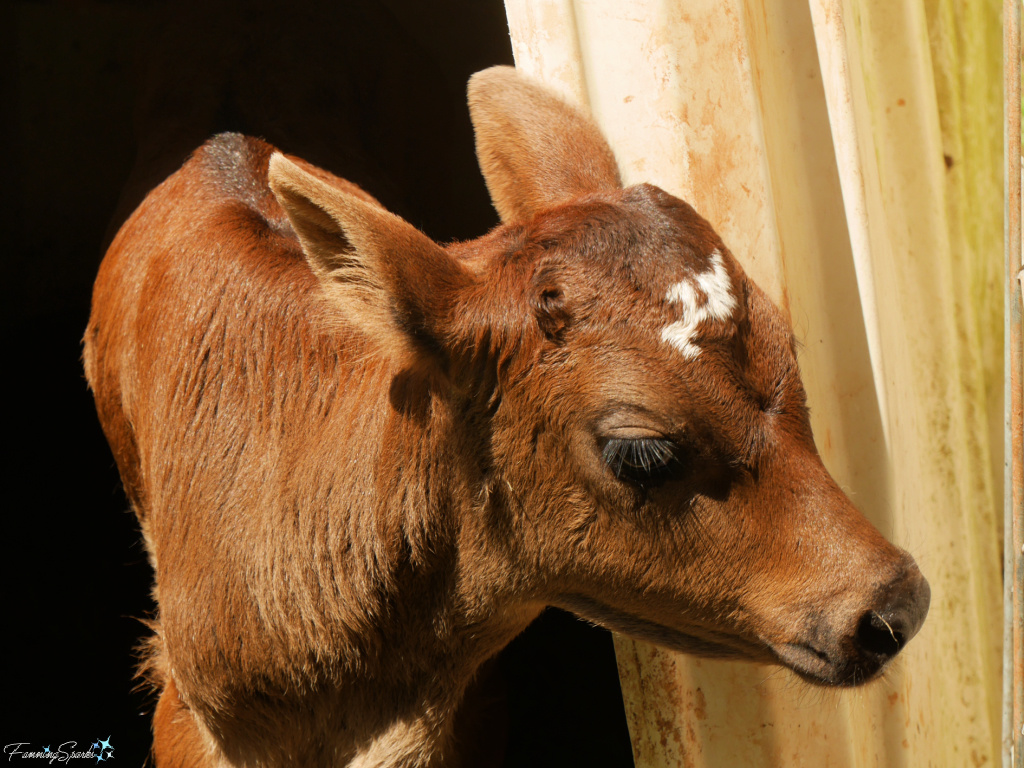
716 302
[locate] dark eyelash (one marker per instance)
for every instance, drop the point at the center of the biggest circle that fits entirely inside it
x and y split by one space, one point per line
640 459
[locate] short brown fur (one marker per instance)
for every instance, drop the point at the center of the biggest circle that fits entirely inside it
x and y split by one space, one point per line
363 462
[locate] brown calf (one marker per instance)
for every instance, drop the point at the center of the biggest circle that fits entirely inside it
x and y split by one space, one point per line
364 462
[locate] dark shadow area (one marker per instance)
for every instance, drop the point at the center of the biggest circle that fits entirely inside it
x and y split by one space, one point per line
563 696
101 101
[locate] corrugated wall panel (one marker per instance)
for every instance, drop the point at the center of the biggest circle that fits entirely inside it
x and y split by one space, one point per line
843 151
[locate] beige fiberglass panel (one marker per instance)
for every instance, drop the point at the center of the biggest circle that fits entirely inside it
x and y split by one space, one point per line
849 155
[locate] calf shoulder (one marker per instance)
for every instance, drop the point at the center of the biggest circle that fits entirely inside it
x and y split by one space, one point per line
284 498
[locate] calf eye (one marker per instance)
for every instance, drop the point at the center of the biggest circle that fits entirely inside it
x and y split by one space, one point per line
642 460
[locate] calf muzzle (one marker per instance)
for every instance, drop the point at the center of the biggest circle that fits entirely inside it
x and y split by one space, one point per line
861 641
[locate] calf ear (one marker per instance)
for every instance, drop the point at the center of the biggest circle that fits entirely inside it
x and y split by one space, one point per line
386 277
534 149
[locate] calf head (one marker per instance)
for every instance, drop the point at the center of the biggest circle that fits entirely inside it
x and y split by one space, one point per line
632 408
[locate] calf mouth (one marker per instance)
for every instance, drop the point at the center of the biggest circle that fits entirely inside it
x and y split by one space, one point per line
818 667
848 663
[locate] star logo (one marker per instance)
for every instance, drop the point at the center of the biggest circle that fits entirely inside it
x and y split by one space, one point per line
105 750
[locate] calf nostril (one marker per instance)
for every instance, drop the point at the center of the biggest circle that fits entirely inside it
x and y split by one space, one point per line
880 636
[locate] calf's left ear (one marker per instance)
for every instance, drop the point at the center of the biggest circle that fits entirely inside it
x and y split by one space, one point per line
381 273
535 150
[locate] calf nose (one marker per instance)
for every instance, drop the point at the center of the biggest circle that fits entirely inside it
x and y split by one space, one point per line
885 628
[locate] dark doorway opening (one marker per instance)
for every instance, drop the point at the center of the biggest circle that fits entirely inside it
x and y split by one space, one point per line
102 100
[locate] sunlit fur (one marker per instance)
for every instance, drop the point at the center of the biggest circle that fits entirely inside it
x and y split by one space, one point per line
363 462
